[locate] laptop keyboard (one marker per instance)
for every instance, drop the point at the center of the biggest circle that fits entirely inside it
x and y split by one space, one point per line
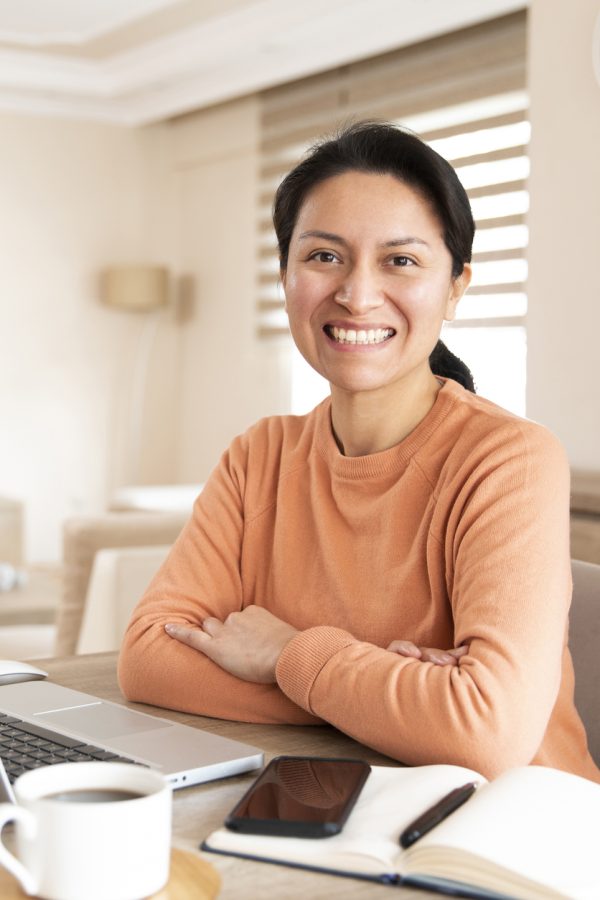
24 746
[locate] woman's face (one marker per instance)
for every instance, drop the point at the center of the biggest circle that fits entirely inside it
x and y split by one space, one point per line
368 281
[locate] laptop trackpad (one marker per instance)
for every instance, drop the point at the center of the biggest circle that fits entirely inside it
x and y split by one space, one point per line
102 721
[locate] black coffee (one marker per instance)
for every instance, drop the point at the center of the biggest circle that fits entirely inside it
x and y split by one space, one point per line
94 795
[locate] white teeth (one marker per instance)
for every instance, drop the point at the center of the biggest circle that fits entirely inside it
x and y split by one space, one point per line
350 336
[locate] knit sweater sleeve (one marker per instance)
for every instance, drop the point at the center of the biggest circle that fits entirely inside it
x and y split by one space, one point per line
506 545
200 578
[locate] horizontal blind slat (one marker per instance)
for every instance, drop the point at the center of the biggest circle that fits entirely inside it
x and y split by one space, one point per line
499 255
491 322
501 221
498 155
516 287
503 187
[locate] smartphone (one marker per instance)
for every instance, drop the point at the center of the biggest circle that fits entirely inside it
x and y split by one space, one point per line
300 796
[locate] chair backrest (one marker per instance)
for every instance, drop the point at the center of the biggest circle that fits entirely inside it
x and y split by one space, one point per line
120 575
584 642
82 538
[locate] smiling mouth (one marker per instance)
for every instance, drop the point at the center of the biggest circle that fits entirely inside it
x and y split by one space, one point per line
360 336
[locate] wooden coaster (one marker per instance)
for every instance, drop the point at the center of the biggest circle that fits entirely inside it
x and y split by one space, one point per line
190 876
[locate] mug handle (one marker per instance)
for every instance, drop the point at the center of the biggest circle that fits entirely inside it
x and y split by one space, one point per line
26 820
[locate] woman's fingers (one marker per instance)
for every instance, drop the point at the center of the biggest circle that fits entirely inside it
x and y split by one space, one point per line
438 657
247 644
428 654
212 626
186 634
405 648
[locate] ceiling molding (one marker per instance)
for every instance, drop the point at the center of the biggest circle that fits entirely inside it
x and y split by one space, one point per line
70 23
259 45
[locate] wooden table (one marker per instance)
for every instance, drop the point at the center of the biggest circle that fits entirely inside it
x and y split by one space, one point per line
197 811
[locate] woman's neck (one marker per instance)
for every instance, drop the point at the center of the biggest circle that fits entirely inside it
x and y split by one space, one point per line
371 421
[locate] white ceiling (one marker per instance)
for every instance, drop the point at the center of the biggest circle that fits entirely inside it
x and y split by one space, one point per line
138 61
39 22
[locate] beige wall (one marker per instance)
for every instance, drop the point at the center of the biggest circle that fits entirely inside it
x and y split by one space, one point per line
564 277
229 378
75 196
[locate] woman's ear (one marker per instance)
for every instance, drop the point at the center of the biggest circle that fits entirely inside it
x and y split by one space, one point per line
457 289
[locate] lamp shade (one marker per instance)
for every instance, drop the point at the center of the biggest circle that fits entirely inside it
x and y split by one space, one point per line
136 288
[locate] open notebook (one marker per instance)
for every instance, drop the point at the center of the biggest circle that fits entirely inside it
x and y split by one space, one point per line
533 833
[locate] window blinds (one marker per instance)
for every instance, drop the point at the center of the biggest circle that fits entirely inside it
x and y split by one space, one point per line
465 94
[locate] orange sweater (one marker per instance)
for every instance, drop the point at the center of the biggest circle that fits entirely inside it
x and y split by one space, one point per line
460 534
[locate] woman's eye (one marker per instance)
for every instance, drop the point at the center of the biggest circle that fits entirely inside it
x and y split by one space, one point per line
402 261
324 256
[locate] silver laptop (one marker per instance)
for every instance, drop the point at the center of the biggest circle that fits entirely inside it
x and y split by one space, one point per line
183 754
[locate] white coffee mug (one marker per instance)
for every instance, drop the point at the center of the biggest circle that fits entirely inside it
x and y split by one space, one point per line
90 831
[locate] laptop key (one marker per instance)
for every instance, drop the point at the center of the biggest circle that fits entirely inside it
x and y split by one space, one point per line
74 755
61 739
10 744
23 761
38 753
35 741
103 754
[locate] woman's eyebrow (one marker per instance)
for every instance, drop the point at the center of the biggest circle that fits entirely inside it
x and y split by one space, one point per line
337 239
403 241
323 235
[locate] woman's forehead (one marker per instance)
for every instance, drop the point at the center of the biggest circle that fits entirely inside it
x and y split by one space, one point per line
369 203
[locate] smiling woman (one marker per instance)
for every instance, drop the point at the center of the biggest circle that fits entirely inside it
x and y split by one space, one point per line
366 295
396 562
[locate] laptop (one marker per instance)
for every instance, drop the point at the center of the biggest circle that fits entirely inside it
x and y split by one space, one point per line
82 726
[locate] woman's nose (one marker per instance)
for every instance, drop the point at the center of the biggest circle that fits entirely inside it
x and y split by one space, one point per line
359 292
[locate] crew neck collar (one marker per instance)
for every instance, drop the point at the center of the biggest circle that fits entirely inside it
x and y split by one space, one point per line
386 461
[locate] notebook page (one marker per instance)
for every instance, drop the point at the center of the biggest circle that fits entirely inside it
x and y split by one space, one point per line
539 822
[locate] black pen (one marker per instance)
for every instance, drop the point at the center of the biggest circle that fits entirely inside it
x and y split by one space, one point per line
436 814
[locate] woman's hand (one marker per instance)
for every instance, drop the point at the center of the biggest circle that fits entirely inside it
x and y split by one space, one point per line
247 644
428 654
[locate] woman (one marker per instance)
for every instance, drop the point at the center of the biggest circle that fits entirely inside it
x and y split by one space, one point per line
330 555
